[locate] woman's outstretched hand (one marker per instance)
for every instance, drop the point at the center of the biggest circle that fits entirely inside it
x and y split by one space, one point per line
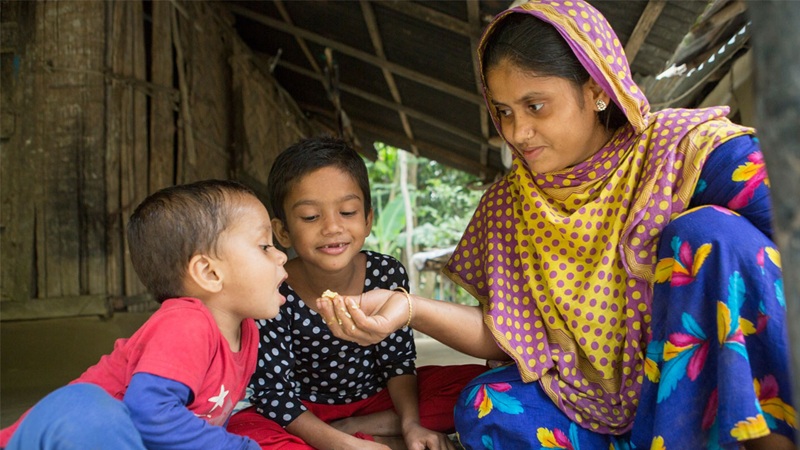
379 314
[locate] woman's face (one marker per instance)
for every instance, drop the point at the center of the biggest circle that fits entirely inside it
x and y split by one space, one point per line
552 124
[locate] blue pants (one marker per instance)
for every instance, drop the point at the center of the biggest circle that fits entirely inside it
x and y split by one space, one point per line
77 417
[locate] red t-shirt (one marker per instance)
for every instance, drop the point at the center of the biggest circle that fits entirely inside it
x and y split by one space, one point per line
180 342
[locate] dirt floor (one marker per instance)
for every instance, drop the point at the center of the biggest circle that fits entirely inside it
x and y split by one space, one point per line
37 357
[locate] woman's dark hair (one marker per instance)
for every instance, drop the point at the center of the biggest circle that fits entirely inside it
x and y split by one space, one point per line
305 157
536 46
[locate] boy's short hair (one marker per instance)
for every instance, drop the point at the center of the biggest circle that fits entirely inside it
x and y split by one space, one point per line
172 225
308 155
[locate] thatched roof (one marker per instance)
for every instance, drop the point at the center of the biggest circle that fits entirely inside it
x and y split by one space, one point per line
403 72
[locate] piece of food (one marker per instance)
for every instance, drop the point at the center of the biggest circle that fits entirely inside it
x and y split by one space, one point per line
329 294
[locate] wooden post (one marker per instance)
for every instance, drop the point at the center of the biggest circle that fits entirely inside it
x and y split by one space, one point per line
127 142
162 106
413 280
777 72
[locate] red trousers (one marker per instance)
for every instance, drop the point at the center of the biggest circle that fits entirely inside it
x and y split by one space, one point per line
438 389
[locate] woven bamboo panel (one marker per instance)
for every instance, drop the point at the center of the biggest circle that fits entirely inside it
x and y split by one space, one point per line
120 99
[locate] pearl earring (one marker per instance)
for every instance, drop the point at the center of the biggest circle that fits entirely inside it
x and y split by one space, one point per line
601 105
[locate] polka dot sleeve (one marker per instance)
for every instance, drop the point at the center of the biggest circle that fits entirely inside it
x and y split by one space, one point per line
275 391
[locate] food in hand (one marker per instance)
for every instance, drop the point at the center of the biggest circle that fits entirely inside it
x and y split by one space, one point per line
329 294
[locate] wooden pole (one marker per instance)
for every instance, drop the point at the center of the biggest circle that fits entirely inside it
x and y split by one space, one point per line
413 281
777 75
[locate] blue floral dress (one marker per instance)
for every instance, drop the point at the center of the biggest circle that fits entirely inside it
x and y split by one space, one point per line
717 368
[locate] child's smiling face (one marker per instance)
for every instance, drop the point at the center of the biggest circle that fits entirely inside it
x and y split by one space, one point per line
326 222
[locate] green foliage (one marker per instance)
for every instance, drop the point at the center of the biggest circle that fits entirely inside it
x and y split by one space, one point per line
443 203
387 228
382 178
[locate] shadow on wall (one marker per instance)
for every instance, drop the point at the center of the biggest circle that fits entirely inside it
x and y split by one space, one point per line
38 356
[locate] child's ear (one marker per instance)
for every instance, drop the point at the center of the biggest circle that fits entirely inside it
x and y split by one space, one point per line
204 273
281 233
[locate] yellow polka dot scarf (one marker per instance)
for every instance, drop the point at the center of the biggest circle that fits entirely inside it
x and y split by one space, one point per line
562 262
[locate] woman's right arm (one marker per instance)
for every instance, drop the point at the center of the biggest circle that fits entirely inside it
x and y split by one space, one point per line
381 312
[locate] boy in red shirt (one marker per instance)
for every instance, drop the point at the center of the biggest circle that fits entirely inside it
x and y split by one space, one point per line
204 250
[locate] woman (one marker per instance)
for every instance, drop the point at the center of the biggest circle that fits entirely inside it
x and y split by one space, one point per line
624 266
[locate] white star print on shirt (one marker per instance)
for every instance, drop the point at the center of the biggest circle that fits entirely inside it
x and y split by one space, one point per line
219 399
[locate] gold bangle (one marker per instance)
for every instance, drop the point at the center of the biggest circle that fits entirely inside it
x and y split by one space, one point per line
410 308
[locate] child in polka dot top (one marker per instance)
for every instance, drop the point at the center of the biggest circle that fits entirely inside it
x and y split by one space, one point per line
310 389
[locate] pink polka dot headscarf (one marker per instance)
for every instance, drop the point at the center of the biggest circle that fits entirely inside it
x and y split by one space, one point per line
562 262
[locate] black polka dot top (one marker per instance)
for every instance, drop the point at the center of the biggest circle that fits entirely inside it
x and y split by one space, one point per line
299 359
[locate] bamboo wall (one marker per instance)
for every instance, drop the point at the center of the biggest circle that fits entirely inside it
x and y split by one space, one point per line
103 103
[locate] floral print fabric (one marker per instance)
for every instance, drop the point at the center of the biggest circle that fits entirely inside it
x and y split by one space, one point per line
716 367
563 262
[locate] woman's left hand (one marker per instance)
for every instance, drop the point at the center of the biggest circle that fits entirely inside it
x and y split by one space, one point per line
380 313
